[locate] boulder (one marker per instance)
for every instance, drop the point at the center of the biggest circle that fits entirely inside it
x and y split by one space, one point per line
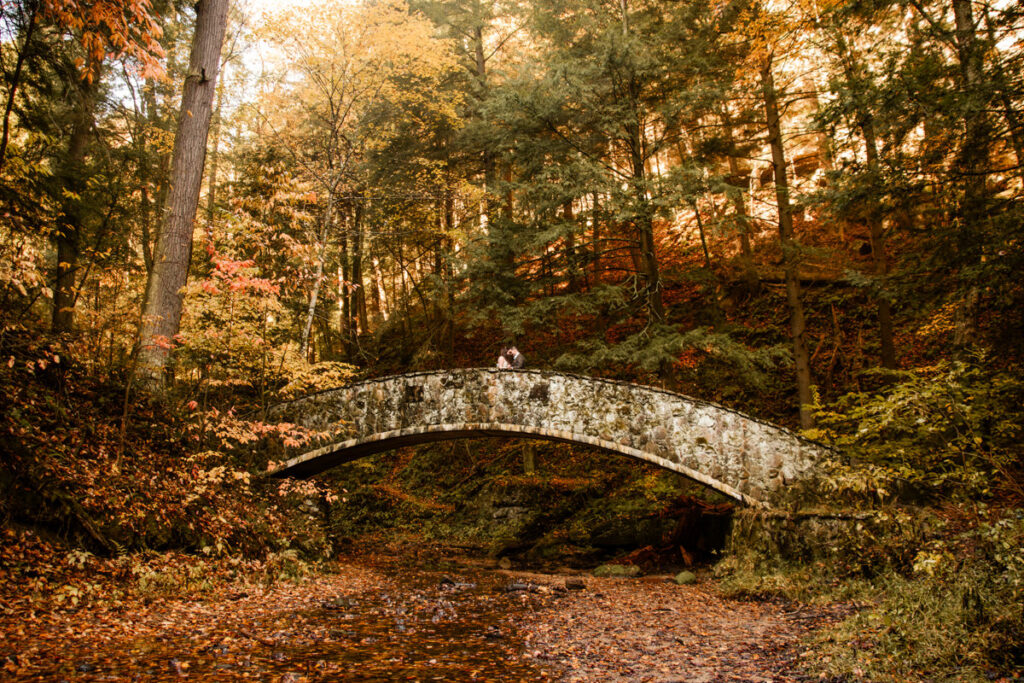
685 578
617 570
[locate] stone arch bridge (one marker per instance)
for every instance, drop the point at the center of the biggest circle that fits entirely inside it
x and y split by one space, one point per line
747 459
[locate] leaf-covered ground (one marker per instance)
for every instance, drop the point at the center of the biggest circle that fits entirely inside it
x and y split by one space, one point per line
649 629
398 618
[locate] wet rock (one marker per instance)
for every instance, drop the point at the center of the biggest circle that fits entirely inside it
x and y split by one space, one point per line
617 570
685 578
337 603
449 584
511 514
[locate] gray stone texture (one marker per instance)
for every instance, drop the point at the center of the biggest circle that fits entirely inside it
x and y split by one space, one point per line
747 459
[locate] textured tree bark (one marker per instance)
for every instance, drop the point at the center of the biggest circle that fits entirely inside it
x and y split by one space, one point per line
152 174
68 234
797 324
162 312
319 278
211 185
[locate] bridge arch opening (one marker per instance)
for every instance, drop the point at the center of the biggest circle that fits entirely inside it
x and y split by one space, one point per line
326 457
538 501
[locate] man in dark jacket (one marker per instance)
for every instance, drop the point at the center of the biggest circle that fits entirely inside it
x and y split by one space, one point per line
517 359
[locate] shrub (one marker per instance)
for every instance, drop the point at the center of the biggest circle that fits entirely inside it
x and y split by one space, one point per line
953 429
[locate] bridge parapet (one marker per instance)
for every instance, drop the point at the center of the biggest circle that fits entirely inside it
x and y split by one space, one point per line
745 458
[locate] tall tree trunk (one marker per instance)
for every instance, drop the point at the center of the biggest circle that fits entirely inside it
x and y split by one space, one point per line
790 248
345 290
974 157
974 153
499 238
750 275
149 208
596 238
703 237
644 215
318 280
879 256
490 200
826 155
70 225
740 207
645 229
359 291
573 274
32 9
162 313
649 262
153 204
878 248
448 275
211 185
377 291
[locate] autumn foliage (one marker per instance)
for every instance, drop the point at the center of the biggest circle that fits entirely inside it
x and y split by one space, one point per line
809 212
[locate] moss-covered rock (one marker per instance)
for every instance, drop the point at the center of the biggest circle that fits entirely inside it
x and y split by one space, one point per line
685 578
617 570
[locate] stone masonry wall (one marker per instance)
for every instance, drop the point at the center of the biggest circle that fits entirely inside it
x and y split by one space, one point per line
747 459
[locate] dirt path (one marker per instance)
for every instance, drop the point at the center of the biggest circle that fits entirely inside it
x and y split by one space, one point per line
391 620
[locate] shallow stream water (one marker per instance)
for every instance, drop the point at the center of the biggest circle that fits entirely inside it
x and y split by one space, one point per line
388 621
382 617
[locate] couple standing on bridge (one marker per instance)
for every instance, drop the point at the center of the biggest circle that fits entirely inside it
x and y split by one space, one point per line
510 358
